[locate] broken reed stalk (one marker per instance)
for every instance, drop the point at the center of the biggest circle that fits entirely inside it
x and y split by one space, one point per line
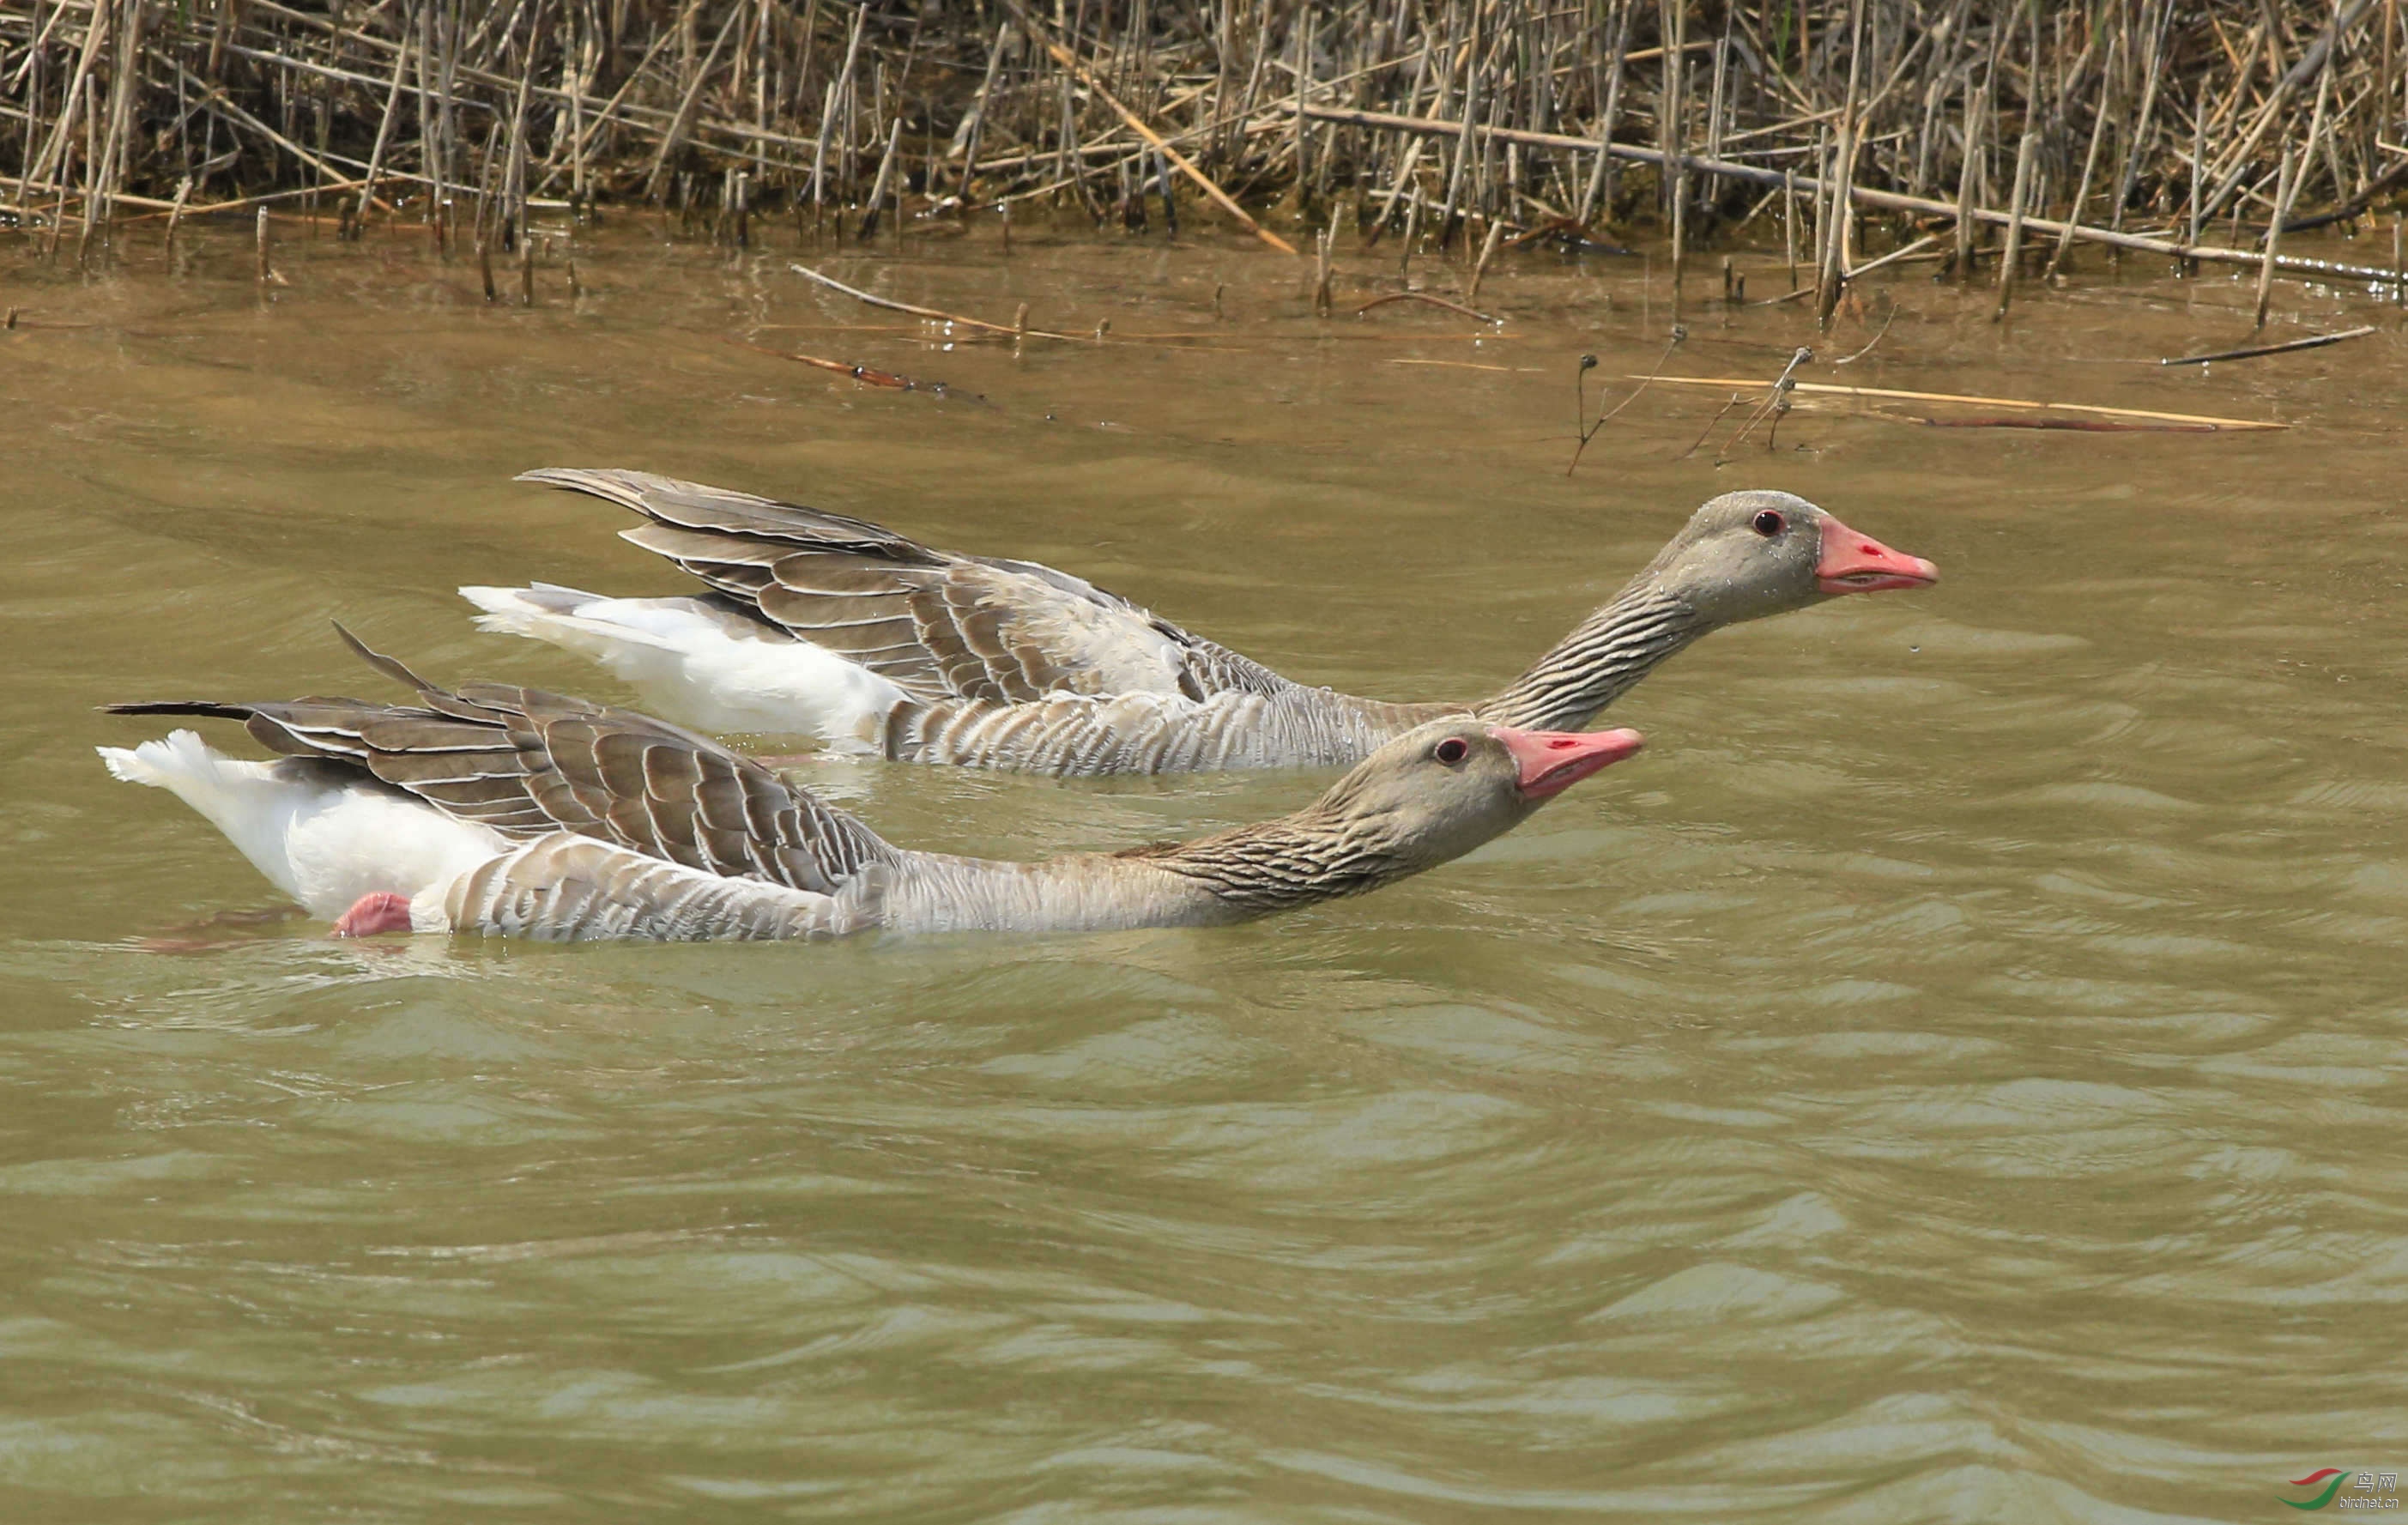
1069 60
383 133
175 215
2285 182
878 189
1487 253
2089 167
2012 257
1835 243
1966 174
1788 219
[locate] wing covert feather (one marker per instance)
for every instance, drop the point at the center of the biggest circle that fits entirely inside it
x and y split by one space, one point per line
530 764
938 624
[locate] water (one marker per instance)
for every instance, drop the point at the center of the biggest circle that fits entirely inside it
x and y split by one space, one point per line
1955 1074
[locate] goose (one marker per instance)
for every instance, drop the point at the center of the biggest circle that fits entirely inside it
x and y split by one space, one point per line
820 623
512 811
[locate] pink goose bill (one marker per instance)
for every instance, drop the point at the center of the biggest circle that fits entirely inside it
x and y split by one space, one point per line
1856 562
1553 761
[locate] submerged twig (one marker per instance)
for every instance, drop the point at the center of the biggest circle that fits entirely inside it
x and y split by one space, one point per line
865 375
1487 253
1852 359
1424 296
1777 403
1720 413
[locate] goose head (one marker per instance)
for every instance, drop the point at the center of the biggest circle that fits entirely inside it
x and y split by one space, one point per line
1747 554
1443 788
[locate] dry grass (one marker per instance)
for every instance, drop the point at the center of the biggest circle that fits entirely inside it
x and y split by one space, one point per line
2153 125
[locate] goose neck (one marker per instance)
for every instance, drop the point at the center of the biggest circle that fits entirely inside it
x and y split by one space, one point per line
1279 865
1602 657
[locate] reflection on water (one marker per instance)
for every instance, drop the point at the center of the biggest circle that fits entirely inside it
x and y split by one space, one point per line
1955 1074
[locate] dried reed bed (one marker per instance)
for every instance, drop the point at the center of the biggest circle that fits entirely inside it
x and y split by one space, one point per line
1952 131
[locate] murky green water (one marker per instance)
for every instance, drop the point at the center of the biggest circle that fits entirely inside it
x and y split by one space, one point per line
1955 1075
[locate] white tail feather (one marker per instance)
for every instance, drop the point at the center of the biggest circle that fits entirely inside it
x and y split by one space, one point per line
700 665
320 840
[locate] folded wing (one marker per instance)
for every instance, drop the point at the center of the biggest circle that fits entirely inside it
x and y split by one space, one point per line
529 764
936 625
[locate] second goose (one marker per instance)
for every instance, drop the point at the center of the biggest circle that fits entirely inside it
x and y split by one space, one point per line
824 625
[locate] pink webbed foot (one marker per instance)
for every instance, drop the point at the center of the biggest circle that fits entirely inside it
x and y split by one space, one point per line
382 911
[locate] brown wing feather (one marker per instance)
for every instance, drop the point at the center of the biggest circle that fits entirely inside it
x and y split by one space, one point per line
528 763
938 624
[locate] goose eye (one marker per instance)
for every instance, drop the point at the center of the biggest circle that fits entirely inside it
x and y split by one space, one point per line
1770 523
1452 751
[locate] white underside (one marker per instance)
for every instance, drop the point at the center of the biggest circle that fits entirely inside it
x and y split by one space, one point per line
702 666
325 845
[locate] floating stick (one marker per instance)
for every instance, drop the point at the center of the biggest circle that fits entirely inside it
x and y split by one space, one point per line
893 305
1425 298
2314 342
2237 425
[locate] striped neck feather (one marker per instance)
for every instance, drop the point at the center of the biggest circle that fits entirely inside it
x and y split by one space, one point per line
1272 865
1604 655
